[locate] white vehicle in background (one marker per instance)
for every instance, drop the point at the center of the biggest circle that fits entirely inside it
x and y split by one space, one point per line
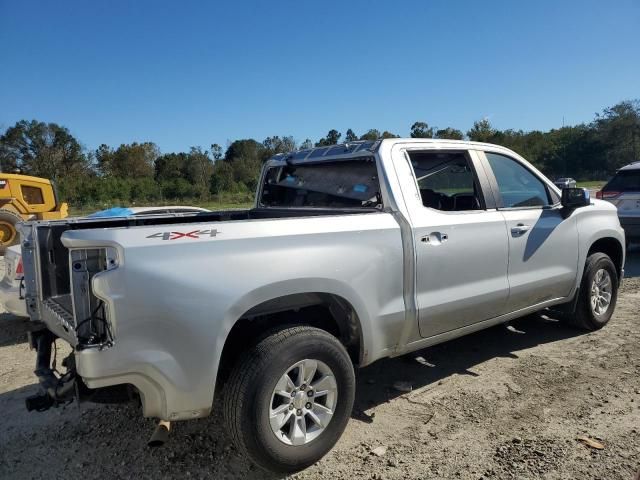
11 286
623 190
565 182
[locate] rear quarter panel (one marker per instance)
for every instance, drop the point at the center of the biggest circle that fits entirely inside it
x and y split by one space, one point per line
173 302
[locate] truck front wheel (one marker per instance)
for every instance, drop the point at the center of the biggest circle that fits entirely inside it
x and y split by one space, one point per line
598 293
289 398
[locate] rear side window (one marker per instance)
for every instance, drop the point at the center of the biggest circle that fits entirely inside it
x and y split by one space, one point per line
446 181
342 184
32 195
624 181
518 186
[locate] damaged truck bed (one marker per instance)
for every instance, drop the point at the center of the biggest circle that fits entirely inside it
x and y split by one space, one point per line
352 253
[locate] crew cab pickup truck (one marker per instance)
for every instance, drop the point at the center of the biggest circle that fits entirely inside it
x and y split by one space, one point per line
352 253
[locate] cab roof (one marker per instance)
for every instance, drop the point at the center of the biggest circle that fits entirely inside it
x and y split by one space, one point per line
17 176
341 151
361 148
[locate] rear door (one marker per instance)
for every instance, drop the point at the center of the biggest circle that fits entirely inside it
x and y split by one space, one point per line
543 244
460 242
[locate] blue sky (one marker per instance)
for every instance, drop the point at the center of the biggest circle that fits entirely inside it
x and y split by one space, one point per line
194 73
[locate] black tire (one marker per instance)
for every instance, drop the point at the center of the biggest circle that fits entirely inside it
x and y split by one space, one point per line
8 220
248 395
584 317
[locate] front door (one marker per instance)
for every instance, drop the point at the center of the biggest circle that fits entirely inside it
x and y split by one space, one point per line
543 244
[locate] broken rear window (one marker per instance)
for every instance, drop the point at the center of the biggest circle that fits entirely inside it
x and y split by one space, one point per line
340 184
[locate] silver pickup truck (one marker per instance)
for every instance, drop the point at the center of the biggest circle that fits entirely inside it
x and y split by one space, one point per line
352 253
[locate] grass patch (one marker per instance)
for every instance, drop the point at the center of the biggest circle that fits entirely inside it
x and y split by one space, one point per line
594 184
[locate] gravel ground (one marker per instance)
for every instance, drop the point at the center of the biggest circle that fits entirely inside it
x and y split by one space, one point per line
495 404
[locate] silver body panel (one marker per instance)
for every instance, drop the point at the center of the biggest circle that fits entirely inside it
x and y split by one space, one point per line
172 304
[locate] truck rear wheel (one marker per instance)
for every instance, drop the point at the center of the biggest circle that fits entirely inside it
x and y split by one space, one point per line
289 399
8 233
598 293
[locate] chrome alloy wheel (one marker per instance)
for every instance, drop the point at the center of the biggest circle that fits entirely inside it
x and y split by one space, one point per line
303 402
601 292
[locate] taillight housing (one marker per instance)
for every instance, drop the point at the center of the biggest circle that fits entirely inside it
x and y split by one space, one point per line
604 194
19 269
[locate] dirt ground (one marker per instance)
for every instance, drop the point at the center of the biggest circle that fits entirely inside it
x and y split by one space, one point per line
492 405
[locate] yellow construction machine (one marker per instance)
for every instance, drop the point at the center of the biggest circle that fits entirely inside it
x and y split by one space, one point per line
25 198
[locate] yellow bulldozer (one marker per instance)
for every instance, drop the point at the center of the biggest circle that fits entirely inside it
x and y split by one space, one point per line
25 198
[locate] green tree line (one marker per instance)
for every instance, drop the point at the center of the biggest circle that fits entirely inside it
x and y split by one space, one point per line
140 173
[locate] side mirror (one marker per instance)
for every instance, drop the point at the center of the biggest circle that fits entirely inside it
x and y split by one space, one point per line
575 198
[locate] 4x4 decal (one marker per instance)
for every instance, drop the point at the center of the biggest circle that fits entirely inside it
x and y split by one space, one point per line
176 235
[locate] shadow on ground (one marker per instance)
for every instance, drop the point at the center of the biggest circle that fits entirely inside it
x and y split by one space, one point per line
431 365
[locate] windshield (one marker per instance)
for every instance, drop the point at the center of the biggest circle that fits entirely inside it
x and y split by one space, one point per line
341 184
624 181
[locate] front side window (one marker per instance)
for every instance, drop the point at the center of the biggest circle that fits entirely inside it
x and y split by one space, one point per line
518 186
338 184
446 181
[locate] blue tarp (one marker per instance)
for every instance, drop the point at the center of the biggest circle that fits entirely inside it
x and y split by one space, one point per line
112 212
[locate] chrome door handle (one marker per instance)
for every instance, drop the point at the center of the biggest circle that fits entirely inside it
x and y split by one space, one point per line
434 238
520 229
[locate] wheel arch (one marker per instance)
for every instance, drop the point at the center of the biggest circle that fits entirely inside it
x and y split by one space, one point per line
326 310
612 248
